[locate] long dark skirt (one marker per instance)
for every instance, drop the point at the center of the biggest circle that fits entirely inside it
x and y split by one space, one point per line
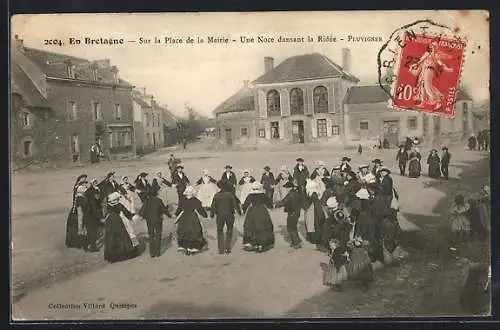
434 170
189 232
414 168
258 229
117 242
359 267
314 235
73 239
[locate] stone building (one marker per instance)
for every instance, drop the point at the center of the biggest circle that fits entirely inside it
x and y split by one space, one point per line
148 122
88 102
310 99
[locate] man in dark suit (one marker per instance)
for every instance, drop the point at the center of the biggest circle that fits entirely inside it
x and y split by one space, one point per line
345 167
142 186
180 180
229 178
445 162
268 182
292 204
377 165
224 205
153 210
109 186
301 174
402 159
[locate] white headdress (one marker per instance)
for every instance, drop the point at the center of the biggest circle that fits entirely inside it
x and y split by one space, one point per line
370 178
205 172
189 191
363 194
332 203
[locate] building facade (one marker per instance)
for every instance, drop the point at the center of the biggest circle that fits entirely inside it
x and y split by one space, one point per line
89 103
148 123
310 99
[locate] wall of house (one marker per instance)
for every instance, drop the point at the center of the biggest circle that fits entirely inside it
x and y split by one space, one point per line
152 128
59 94
236 121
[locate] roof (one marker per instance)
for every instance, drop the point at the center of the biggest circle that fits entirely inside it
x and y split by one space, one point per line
242 100
54 65
141 102
21 84
375 94
304 67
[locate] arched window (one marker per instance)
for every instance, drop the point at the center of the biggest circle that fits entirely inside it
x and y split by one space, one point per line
320 96
296 101
273 103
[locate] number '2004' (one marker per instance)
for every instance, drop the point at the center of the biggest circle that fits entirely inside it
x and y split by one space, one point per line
57 42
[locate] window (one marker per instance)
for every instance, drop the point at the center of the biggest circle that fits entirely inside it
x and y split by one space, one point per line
273 103
27 119
71 71
465 106
320 97
27 148
275 130
296 101
147 119
412 123
335 130
321 126
118 111
154 139
148 139
95 74
363 125
96 109
437 125
244 131
465 112
72 110
262 133
75 144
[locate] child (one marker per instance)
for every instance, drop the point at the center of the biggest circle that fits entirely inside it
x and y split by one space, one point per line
460 225
335 273
360 267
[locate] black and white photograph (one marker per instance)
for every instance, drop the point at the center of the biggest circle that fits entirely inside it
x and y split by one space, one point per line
250 165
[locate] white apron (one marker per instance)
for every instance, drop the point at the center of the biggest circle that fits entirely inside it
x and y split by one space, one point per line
206 192
130 230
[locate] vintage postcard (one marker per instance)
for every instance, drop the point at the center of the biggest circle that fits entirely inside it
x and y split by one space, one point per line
181 166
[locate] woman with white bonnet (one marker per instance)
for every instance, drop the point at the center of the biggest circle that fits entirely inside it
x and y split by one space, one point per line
120 243
282 179
245 185
73 230
189 230
128 197
314 214
258 229
206 189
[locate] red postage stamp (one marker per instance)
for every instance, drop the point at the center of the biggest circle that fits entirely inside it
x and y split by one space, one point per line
428 74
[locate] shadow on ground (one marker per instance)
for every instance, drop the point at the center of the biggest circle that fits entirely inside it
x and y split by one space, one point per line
428 283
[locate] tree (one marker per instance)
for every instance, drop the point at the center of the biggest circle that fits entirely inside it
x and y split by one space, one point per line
189 128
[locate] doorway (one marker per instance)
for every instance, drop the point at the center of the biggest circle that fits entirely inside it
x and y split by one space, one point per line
391 132
229 136
298 131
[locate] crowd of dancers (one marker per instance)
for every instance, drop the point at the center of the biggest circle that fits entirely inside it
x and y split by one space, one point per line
350 214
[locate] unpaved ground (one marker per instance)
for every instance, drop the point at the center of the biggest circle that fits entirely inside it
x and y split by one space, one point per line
278 283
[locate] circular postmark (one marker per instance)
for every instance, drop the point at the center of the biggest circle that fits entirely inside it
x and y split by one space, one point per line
412 61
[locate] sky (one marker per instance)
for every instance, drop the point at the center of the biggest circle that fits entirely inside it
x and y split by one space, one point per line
204 75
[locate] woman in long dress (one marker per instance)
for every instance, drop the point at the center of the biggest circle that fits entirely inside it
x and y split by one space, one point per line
73 231
245 185
414 164
335 271
258 228
206 189
128 199
359 268
280 191
485 208
120 243
434 164
189 230
314 215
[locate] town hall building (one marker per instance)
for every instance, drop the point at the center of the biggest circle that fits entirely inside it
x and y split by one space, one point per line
309 99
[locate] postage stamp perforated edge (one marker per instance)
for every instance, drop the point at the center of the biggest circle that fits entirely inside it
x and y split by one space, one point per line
390 103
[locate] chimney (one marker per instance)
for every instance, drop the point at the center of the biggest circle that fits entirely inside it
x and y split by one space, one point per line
18 43
268 64
246 83
346 59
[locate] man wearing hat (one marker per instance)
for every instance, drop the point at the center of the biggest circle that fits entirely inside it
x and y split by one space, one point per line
364 170
301 174
109 186
377 164
268 181
402 159
224 205
445 162
142 186
172 163
345 167
229 178
338 180
180 180
292 203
